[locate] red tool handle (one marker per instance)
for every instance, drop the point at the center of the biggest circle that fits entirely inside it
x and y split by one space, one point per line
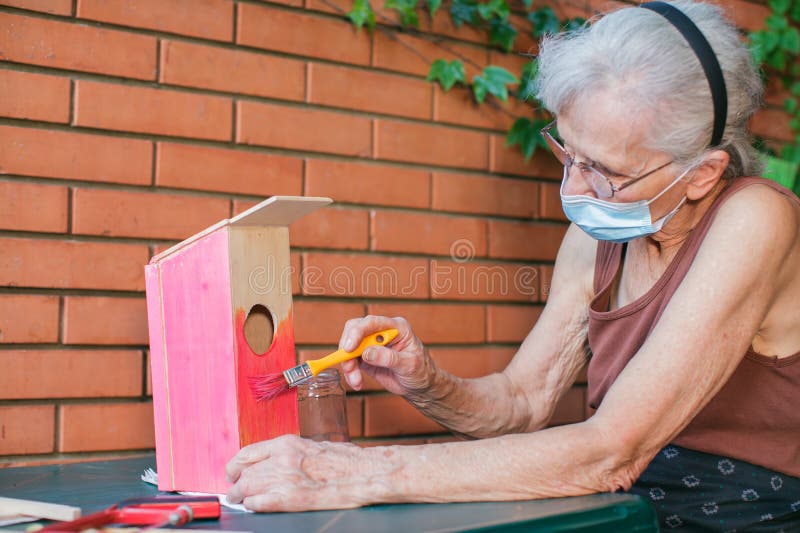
164 510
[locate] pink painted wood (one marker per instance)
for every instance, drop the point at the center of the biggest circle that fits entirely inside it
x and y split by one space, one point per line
198 390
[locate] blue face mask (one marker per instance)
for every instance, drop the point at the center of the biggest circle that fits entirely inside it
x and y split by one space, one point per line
615 222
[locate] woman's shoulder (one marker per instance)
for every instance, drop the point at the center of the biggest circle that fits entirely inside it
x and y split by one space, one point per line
759 205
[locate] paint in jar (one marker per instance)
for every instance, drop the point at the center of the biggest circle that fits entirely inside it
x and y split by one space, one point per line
322 408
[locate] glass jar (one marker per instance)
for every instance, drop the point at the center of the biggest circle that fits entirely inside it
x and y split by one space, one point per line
322 408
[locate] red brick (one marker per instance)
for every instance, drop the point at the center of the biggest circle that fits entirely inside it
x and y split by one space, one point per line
27 429
351 275
377 92
391 415
396 52
775 94
146 110
78 156
302 128
772 124
30 374
458 106
235 71
511 323
525 240
187 166
144 214
54 7
605 6
105 320
484 195
362 183
435 145
481 280
346 229
17 211
424 233
746 14
355 416
322 37
570 409
100 427
472 362
34 96
546 278
550 202
72 264
322 322
509 160
209 19
80 47
438 323
28 318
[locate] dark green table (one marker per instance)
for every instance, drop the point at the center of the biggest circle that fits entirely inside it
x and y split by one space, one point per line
96 485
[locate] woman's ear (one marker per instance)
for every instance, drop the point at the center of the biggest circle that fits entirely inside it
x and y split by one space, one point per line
703 178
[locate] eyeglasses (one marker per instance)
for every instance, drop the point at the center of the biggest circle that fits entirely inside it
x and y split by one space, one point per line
601 183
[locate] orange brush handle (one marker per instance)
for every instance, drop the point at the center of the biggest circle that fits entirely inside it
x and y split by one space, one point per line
381 338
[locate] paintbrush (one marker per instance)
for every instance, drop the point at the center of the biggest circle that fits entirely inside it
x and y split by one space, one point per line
269 386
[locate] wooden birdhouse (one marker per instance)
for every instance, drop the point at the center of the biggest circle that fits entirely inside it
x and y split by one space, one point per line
219 307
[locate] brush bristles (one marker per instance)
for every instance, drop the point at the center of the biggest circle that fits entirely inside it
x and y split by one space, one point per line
268 386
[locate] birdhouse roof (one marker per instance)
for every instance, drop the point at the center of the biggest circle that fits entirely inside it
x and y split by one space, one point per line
274 211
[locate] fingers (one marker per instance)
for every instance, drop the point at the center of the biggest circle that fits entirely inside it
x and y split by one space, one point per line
381 356
352 374
358 328
248 455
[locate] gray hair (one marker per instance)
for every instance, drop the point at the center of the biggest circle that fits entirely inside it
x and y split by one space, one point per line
641 56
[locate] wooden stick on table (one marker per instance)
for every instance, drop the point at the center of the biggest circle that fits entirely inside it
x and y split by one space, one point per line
51 511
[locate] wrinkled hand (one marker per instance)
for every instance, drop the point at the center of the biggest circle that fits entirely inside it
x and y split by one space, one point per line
404 367
290 473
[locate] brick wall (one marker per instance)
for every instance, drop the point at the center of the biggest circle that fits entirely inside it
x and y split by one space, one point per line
128 125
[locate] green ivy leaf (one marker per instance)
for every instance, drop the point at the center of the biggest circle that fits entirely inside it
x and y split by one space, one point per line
447 74
777 60
795 88
544 21
502 34
407 9
790 105
526 134
433 6
790 41
361 14
526 88
780 6
795 12
574 24
493 80
462 11
794 123
494 8
523 133
528 4
776 23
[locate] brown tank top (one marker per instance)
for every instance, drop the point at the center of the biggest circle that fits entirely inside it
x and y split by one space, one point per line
755 417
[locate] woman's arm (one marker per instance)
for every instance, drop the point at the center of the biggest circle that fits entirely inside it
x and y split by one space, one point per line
519 399
696 346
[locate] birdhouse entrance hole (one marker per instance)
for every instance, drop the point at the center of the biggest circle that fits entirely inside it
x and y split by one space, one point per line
259 329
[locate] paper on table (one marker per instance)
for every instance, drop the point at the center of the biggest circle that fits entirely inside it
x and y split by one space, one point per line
150 476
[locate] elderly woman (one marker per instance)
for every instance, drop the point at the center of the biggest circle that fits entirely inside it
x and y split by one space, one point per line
677 284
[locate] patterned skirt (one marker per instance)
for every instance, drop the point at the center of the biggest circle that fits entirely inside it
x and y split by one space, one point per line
695 491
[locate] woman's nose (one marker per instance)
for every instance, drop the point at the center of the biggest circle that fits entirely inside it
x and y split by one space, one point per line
575 184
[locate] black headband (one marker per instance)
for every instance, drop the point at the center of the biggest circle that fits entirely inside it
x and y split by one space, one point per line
707 59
